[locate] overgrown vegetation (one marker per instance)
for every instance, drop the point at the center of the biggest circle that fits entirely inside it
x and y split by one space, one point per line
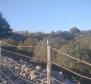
73 42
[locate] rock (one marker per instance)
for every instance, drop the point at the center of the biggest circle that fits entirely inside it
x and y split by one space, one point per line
24 75
33 77
4 82
17 68
23 67
20 73
38 68
26 69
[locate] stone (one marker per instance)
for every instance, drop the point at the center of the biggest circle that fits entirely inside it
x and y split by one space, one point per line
38 68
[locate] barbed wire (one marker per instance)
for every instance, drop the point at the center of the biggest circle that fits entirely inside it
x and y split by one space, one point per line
34 58
20 76
14 45
20 46
25 55
80 75
71 57
57 51
46 75
7 76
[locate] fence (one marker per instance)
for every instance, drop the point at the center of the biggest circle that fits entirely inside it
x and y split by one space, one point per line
49 62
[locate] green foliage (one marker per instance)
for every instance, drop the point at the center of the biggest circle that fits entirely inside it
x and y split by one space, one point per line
40 50
74 30
5 30
28 42
10 41
73 43
81 49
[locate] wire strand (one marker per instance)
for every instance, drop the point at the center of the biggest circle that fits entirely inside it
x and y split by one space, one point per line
21 46
7 76
80 75
19 76
72 57
64 67
25 55
44 74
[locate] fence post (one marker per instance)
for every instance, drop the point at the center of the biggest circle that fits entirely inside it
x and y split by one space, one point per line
48 62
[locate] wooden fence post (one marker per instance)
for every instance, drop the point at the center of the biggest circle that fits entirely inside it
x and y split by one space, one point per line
48 62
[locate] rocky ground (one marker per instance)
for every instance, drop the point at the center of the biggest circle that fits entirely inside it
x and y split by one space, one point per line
17 69
22 72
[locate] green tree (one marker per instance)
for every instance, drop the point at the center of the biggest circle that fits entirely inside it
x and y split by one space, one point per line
5 29
74 30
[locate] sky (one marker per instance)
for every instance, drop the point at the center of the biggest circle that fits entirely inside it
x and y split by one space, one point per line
47 15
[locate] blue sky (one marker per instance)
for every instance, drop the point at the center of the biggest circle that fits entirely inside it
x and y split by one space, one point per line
47 15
